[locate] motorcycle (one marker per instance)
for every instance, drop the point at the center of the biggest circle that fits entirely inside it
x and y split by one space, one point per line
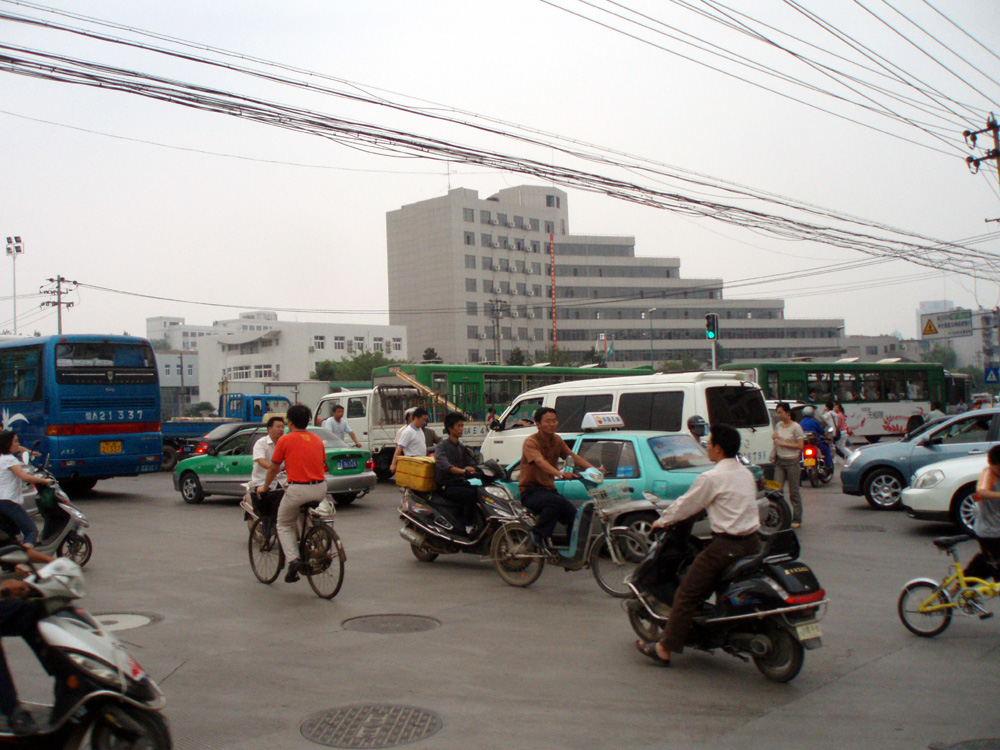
60 522
813 461
767 606
103 698
433 526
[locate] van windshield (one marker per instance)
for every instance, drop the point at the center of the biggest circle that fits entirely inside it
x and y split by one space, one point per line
522 414
736 405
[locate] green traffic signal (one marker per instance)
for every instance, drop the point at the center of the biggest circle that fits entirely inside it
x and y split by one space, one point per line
711 326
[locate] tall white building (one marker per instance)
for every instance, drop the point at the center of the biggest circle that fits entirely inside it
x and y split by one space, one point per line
467 274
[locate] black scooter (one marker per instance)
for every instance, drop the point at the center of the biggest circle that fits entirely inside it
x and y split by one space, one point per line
432 524
767 606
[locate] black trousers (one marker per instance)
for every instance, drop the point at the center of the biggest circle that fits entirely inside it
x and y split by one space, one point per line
17 617
986 563
465 495
550 507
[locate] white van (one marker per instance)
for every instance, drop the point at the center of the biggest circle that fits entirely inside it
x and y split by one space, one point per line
645 402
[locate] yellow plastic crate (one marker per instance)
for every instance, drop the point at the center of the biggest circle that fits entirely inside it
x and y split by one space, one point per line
416 472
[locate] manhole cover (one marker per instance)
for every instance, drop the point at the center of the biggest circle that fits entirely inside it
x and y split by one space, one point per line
115 621
371 725
856 527
992 743
391 623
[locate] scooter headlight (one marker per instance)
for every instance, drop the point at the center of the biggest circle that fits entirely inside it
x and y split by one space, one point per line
96 668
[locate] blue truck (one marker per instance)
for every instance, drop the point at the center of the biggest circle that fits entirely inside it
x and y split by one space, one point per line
181 435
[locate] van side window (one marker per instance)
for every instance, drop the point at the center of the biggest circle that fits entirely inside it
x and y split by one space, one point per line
523 410
356 408
736 405
652 411
570 409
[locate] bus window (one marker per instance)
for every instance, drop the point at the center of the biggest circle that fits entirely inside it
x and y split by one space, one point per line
793 390
652 411
845 387
893 386
871 387
19 374
916 386
819 386
570 409
772 385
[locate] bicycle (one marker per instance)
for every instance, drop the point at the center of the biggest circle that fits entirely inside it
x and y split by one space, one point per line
926 606
611 552
320 550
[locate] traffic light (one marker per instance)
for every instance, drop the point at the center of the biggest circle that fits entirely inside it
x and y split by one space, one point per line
711 326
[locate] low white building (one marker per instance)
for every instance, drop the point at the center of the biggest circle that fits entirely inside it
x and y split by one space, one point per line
178 371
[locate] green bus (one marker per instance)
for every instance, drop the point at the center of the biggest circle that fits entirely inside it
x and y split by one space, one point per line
879 398
476 388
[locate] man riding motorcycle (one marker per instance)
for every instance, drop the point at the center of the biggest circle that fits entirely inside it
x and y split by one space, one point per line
809 423
728 492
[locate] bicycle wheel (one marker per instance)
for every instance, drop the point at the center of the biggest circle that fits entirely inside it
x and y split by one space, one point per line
924 624
630 549
323 560
266 557
515 557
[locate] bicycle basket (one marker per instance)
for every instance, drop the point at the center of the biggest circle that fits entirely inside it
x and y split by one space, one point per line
607 495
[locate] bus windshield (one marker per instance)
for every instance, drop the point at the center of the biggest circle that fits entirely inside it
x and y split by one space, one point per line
94 362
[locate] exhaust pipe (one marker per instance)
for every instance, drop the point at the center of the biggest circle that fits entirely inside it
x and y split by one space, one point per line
413 536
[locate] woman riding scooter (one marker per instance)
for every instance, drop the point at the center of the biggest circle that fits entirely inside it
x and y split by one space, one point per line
12 479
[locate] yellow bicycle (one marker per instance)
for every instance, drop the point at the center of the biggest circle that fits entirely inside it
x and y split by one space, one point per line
926 606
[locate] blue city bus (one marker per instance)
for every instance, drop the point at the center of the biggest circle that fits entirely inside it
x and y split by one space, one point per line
91 402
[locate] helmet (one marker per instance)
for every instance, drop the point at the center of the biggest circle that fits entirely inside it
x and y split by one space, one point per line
808 411
697 426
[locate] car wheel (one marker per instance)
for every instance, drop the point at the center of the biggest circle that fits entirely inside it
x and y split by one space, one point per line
883 489
640 523
345 498
191 489
963 509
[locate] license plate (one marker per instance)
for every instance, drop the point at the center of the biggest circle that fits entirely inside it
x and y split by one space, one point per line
807 631
111 446
808 461
770 484
349 463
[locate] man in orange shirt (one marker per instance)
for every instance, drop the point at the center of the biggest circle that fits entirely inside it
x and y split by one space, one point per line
304 458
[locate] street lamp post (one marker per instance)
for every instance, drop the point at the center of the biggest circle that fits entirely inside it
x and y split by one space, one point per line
14 248
649 314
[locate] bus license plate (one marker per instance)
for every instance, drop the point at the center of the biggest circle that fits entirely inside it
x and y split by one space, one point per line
808 631
770 484
349 463
111 446
808 461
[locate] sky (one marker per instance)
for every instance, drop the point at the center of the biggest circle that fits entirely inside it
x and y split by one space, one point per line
173 206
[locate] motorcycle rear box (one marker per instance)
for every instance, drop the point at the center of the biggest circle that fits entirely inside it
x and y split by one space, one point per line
416 472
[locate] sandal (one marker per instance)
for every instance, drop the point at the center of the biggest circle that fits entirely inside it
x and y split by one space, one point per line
648 648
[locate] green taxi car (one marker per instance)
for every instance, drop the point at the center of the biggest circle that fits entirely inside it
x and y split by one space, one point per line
224 470
663 465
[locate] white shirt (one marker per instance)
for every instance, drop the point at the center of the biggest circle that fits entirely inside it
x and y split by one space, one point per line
412 441
10 486
830 419
341 429
263 448
728 492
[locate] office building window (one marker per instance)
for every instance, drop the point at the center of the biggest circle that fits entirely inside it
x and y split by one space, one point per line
552 201
487 263
319 342
533 223
468 214
472 332
484 217
470 261
471 308
550 227
488 286
338 342
486 240
502 219
470 238
473 355
397 345
166 369
470 285
190 369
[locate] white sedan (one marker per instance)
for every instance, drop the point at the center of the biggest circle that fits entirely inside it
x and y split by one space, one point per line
943 491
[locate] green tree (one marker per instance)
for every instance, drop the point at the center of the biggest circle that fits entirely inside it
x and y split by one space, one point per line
556 357
942 354
358 367
593 356
430 355
160 345
201 409
976 374
517 358
688 363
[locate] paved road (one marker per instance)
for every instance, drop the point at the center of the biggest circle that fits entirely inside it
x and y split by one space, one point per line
552 666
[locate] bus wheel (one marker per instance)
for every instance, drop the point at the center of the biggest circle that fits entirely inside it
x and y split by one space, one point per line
169 458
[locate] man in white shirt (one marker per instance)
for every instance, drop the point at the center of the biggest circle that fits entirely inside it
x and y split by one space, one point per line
411 441
728 492
340 426
263 449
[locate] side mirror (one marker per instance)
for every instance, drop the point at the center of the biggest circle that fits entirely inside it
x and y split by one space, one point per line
495 424
212 452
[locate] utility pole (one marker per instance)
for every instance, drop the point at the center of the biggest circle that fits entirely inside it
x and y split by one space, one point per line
14 248
497 309
58 292
991 155
552 281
